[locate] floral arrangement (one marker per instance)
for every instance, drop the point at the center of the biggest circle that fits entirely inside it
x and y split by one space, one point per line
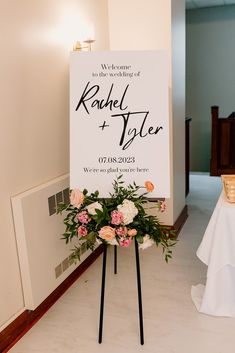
116 220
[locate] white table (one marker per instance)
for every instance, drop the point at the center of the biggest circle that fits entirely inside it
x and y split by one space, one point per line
217 251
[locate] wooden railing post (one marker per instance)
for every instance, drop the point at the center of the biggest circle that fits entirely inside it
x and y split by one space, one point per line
214 140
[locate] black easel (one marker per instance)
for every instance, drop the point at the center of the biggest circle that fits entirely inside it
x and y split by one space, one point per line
138 287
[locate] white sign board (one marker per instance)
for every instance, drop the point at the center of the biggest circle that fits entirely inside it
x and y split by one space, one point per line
119 120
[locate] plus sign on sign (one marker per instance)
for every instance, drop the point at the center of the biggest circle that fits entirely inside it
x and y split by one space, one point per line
119 120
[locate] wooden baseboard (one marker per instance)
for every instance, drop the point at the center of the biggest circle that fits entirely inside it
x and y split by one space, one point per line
181 220
18 328
12 333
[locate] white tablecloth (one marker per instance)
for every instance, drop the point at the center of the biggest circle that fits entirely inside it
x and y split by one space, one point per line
217 251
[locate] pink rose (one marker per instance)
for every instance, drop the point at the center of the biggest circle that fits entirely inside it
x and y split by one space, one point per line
107 233
132 232
83 217
117 217
125 242
76 198
163 206
121 231
82 231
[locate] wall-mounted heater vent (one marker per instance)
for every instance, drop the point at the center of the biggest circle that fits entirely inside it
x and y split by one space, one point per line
45 259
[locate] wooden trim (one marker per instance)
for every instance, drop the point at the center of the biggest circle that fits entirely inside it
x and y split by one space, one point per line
23 323
222 143
181 220
187 154
221 171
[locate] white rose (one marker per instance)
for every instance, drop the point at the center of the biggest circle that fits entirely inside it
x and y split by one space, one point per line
129 211
147 242
91 209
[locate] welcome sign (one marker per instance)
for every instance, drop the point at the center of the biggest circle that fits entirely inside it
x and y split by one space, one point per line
119 120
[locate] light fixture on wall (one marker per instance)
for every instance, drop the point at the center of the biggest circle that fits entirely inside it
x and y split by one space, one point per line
89 41
78 46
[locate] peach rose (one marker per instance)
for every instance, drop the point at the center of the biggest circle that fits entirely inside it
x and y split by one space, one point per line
149 186
76 198
132 232
107 233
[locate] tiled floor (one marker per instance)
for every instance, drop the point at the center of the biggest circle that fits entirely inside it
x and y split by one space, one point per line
171 322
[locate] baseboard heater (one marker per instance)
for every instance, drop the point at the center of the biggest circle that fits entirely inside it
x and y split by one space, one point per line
45 259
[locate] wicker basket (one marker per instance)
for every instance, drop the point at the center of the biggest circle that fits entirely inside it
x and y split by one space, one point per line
229 187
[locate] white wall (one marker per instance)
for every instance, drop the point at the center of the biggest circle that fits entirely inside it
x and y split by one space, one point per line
210 75
151 24
36 37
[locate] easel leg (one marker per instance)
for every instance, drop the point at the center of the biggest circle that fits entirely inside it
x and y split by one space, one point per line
139 292
102 294
115 259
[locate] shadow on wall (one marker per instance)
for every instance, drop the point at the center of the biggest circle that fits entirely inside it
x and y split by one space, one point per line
200 147
212 14
210 75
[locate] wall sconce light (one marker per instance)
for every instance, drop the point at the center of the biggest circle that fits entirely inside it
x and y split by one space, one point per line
79 46
89 41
